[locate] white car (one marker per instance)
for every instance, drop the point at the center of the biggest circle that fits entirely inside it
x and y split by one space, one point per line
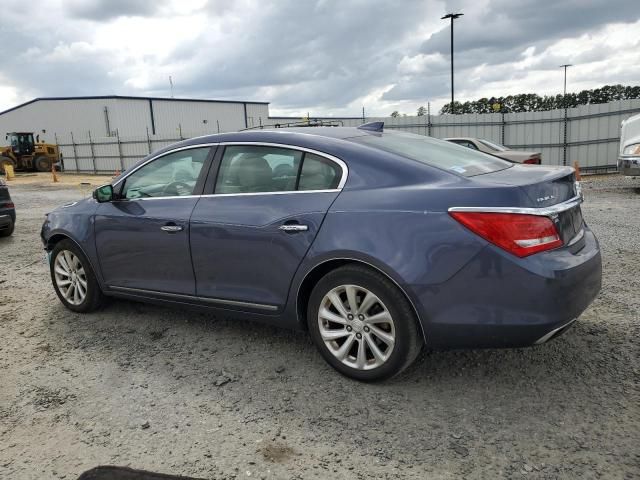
497 150
629 158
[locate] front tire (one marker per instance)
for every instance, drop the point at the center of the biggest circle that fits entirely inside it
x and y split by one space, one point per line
362 323
6 161
73 278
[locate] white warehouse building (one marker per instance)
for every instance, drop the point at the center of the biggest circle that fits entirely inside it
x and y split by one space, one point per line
110 133
114 115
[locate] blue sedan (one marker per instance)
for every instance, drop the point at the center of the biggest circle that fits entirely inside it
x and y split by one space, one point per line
377 242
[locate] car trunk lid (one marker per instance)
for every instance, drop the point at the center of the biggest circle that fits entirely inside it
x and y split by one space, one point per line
543 187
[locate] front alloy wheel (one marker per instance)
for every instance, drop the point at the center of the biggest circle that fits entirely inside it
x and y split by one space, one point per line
73 278
70 277
363 324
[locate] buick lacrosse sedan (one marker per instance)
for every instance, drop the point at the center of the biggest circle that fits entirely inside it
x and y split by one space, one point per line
376 242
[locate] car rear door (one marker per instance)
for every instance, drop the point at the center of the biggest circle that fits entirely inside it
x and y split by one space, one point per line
142 238
250 234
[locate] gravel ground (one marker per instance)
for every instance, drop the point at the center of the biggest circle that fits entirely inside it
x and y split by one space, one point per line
192 394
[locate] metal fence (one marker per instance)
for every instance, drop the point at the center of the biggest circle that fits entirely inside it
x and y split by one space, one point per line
588 134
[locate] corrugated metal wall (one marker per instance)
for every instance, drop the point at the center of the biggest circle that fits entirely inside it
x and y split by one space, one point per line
588 134
592 131
130 117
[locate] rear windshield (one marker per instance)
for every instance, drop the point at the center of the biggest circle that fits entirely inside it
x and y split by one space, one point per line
494 146
434 152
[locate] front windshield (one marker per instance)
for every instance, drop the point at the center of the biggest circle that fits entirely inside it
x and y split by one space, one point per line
434 152
494 146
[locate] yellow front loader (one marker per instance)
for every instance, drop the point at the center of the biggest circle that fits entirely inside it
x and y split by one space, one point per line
25 154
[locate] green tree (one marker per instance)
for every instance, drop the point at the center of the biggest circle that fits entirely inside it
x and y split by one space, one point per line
422 111
395 114
532 102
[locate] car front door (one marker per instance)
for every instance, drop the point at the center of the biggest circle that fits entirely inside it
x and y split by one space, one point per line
249 236
142 237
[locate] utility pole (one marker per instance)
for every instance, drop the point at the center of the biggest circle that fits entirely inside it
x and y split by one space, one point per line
452 17
171 85
565 78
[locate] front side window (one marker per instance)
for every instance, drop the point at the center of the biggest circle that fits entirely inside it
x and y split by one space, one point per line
263 169
172 175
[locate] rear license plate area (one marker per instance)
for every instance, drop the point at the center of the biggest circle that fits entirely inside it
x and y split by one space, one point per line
570 223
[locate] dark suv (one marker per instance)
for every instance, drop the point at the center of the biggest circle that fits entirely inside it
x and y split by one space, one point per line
7 211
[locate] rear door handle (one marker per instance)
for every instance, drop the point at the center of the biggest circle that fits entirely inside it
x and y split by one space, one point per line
171 228
293 227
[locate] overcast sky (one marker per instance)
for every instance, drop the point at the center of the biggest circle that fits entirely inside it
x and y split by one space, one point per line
326 57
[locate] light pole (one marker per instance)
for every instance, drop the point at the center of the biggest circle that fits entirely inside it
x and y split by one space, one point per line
452 16
564 95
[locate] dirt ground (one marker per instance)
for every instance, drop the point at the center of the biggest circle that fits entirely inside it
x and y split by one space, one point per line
192 394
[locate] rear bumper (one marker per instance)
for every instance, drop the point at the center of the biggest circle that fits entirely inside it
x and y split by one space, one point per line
629 165
6 219
498 300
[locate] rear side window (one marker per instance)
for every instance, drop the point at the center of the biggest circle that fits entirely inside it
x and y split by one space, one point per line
318 173
258 169
434 152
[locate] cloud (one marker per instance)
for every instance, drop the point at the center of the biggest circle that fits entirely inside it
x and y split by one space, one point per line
102 10
325 57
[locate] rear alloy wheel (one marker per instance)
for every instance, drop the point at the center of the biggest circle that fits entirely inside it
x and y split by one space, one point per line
362 324
73 279
42 164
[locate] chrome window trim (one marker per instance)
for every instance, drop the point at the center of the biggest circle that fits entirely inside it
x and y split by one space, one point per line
542 211
285 192
343 166
213 195
212 300
179 149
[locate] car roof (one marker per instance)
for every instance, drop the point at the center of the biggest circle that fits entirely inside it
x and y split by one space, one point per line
325 139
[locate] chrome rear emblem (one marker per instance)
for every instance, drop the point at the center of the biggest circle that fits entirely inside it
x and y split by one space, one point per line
544 199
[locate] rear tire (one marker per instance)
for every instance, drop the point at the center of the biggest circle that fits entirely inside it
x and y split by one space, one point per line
73 278
362 323
42 164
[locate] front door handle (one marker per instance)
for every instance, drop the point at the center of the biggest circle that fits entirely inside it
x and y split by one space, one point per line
171 228
294 227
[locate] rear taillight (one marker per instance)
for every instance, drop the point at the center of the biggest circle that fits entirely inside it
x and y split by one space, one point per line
8 205
519 234
532 161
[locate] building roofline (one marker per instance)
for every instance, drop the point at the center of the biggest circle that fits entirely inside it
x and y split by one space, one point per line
131 97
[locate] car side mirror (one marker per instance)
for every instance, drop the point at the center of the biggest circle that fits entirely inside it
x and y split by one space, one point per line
103 194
